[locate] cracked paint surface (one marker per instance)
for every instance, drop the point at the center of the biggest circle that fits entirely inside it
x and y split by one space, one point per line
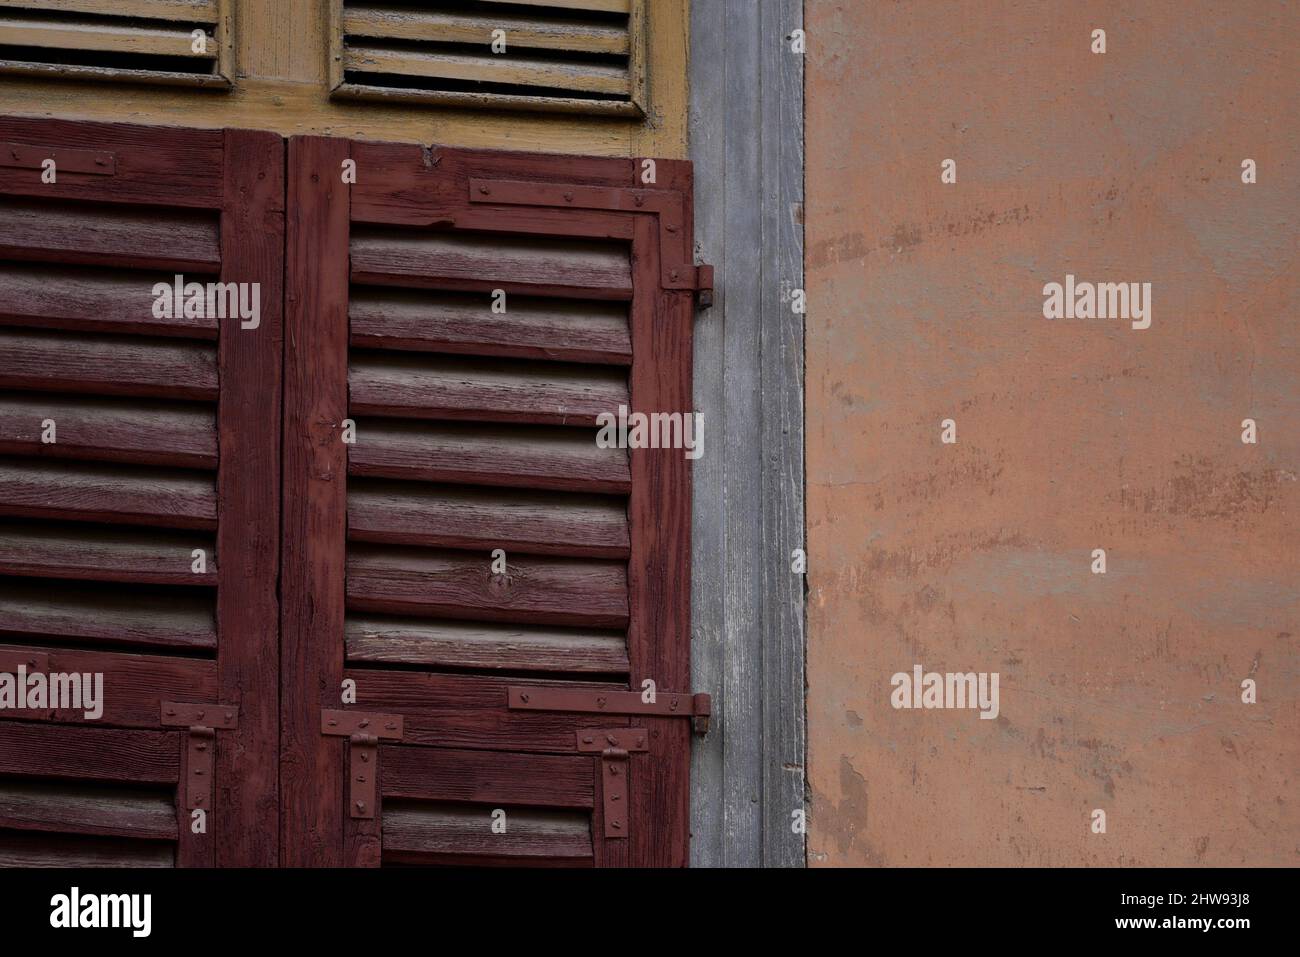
1119 691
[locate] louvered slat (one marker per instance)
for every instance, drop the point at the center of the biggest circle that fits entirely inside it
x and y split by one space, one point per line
527 31
95 300
486 391
103 37
590 269
107 365
109 429
475 454
197 11
149 556
419 833
514 71
169 240
544 523
85 808
123 494
544 591
58 609
19 849
573 331
483 645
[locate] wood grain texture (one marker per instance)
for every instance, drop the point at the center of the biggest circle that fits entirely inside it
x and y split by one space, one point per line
96 553
315 501
531 328
162 167
98 235
546 591
416 832
90 299
129 495
107 365
101 754
107 614
483 646
437 259
484 390
42 850
748 773
87 809
485 777
111 430
186 10
101 36
525 71
248 482
528 31
536 523
563 459
659 579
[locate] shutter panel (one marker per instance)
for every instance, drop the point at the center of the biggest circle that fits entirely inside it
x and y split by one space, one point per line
577 56
166 440
476 430
141 41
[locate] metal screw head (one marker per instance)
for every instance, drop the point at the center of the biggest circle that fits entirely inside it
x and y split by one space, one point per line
365 723
484 190
568 197
524 698
673 274
361 805
600 702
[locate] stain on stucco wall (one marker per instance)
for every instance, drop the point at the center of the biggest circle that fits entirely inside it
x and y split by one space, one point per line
1119 691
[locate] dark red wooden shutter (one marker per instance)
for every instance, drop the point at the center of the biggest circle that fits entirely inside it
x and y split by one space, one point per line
167 440
475 431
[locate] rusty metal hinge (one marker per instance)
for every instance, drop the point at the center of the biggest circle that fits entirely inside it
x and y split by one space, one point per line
676 268
363 732
666 704
615 746
201 721
27 156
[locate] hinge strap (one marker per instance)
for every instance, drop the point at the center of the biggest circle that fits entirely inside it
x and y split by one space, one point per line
666 704
363 732
201 723
615 746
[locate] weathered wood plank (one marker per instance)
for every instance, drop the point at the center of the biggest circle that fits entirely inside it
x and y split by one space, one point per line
50 850
502 390
570 331
419 833
546 591
152 556
102 37
111 430
538 523
87 809
124 494
107 613
469 260
473 454
484 646
445 774
579 77
526 31
107 365
104 754
197 11
95 235
94 300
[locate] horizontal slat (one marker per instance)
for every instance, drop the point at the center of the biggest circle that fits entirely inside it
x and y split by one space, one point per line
95 300
444 774
503 390
604 6
416 832
103 36
147 556
104 754
134 684
545 591
87 809
192 11
115 430
107 365
98 235
527 71
19 849
486 646
470 711
539 523
572 331
515 456
121 494
433 259
527 31
107 613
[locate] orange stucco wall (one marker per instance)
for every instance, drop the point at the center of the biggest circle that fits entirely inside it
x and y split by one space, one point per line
1122 691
